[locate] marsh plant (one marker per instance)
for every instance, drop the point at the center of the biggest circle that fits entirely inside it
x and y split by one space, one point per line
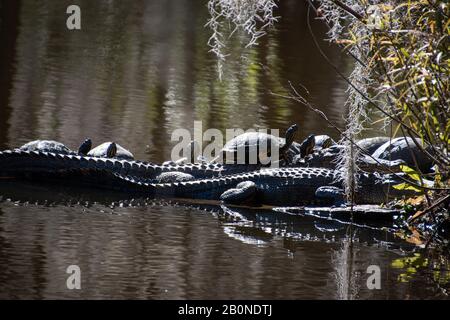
401 69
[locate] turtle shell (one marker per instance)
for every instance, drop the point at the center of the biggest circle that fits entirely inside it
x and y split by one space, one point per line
100 151
406 150
323 141
299 149
249 143
370 145
46 146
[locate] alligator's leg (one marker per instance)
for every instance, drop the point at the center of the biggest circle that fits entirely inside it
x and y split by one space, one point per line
333 194
244 192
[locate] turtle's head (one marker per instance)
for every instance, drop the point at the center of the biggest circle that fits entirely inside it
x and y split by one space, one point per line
290 134
112 150
85 147
307 146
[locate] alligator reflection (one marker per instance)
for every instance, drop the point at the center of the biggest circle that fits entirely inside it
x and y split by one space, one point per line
256 226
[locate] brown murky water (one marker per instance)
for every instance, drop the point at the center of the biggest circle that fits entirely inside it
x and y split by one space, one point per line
135 72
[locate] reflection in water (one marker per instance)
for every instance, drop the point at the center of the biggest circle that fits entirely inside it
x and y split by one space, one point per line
346 277
135 72
138 248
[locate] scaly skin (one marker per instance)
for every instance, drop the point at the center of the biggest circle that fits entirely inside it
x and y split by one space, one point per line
328 158
38 164
280 186
276 186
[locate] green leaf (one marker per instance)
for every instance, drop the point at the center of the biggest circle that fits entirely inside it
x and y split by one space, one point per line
413 174
405 186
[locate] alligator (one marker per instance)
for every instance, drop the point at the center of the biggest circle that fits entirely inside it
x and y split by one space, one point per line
25 164
210 181
273 186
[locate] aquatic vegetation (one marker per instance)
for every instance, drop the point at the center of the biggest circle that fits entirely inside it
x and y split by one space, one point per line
252 17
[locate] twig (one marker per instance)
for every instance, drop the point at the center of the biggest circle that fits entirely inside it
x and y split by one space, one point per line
347 9
433 234
442 200
336 69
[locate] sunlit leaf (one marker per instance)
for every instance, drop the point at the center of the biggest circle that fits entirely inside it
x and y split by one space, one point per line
413 174
406 186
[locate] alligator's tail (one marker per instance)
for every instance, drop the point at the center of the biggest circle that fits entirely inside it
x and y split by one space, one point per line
37 164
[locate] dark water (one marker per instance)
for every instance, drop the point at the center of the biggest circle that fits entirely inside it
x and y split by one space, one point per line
135 72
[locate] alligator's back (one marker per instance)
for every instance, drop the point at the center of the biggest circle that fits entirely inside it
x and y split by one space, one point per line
38 164
280 186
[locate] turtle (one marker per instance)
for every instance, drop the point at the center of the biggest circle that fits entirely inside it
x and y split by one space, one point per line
307 146
370 145
299 150
111 150
46 146
406 150
256 147
328 158
56 147
85 147
323 141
